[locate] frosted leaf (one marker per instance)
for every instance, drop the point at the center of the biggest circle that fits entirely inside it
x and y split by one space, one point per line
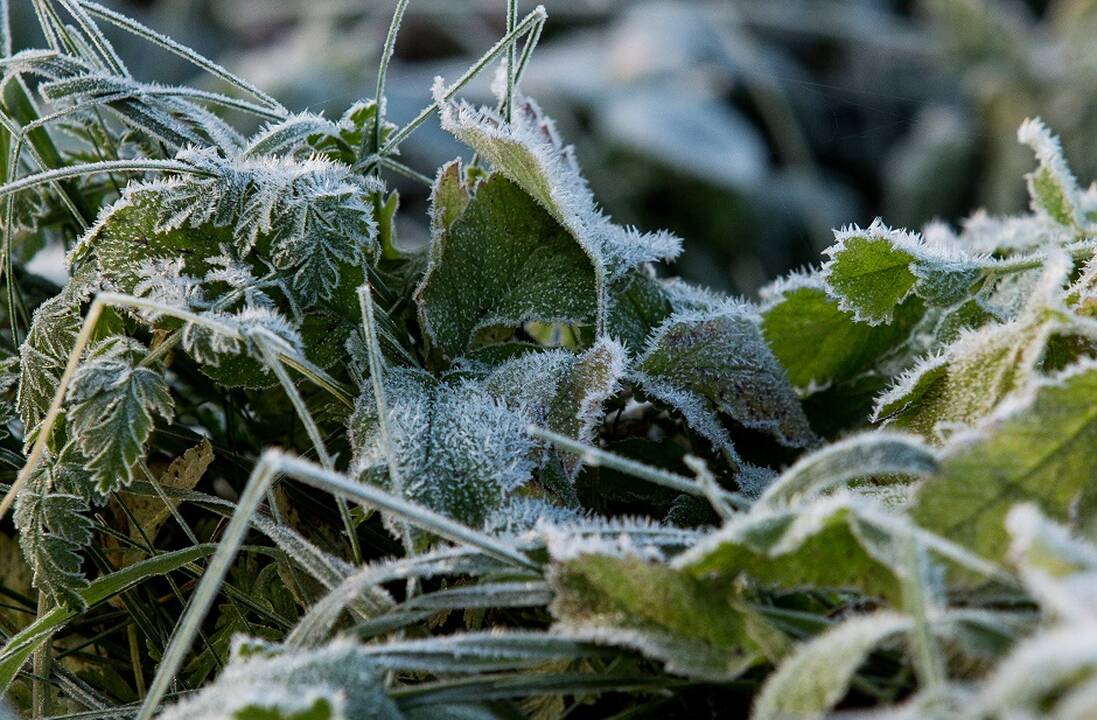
838 541
502 261
817 675
1036 447
335 682
457 450
981 368
562 391
163 281
529 153
522 514
871 271
865 455
43 356
1052 186
111 402
311 214
687 622
160 111
1058 570
704 363
638 302
50 517
288 136
816 342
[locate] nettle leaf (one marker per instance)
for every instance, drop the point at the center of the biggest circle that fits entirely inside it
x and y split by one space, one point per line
871 271
337 681
716 361
690 624
1036 448
974 374
310 219
457 450
529 153
810 682
816 342
53 527
43 356
502 261
1052 186
111 404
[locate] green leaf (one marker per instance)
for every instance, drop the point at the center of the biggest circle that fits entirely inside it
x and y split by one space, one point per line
43 356
22 645
816 342
528 151
689 623
865 455
871 271
833 542
980 369
53 528
637 304
502 261
810 682
1052 186
561 390
1037 448
456 449
112 401
716 361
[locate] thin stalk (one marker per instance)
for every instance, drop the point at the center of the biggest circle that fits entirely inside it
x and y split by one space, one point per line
106 166
535 18
383 67
376 377
508 100
314 436
657 476
928 663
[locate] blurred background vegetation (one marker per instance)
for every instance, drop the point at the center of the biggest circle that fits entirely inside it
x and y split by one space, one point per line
749 127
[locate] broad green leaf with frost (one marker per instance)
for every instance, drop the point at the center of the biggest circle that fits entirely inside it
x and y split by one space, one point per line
871 271
112 400
456 449
502 261
690 624
528 151
836 542
1037 448
818 674
819 344
337 681
980 369
705 363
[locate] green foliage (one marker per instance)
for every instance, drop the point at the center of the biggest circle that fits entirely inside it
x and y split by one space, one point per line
521 469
